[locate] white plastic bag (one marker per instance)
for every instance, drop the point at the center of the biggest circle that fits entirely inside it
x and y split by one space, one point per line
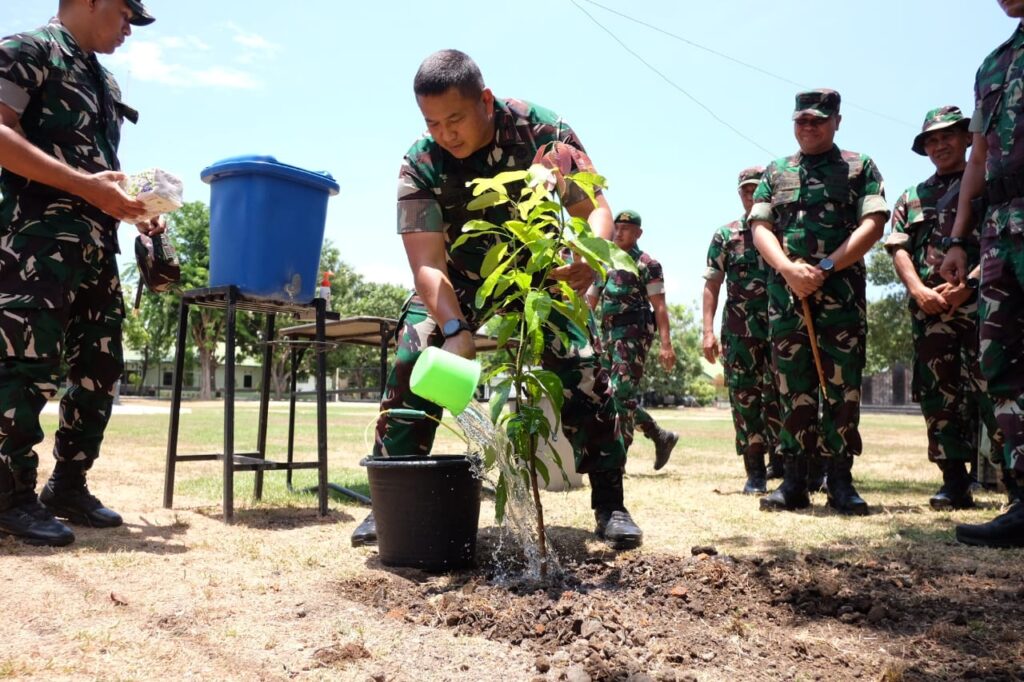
160 191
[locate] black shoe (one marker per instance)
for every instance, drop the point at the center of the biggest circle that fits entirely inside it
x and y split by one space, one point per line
955 492
664 442
365 533
618 529
1004 531
842 496
21 514
67 495
792 492
757 482
1014 494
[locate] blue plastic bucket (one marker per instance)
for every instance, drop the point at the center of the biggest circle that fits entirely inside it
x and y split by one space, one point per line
267 226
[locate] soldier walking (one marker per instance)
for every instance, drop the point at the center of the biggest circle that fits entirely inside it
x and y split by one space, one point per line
60 124
745 347
944 317
815 214
632 310
995 171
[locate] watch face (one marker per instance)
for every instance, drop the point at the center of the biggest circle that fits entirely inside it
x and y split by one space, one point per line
826 264
453 327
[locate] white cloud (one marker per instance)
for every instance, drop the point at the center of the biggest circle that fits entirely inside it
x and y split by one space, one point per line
157 62
255 46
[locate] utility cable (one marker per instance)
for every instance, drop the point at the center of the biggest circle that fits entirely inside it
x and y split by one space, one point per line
748 65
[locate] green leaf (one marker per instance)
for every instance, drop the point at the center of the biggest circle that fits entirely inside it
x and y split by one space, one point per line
494 255
611 256
542 468
509 325
553 389
499 398
486 201
479 226
500 498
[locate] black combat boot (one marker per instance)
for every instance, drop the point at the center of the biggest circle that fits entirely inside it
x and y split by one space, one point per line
365 533
1014 491
664 442
21 514
776 468
757 477
842 496
955 492
67 495
816 474
792 492
614 524
1004 531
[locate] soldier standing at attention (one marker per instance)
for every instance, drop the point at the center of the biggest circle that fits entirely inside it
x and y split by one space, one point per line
746 351
944 317
60 124
472 134
995 171
628 324
815 215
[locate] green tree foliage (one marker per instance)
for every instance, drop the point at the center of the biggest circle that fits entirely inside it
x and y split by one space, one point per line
889 339
687 377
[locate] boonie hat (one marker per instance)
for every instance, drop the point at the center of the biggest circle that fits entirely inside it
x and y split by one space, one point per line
937 119
631 217
750 176
820 103
140 17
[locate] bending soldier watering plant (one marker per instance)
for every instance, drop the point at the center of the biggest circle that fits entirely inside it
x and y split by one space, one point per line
472 134
815 215
59 286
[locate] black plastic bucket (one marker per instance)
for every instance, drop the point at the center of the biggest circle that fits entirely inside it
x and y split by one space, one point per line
427 510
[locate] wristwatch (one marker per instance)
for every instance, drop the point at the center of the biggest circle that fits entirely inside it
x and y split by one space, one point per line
948 242
826 265
455 326
972 282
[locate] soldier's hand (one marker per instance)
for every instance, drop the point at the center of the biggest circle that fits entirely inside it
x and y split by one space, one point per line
461 344
103 190
954 265
930 301
710 347
154 227
954 295
803 279
578 274
667 356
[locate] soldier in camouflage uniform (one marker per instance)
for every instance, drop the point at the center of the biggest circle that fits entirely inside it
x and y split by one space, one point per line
947 376
472 134
632 309
746 351
995 171
60 120
815 215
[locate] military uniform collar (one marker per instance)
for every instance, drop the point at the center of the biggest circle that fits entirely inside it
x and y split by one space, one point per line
831 155
744 225
936 180
1017 39
506 133
635 252
62 36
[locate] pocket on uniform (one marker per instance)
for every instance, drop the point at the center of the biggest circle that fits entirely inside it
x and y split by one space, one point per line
990 100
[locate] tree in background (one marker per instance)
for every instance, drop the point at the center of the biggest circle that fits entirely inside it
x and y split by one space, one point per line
688 376
151 329
889 340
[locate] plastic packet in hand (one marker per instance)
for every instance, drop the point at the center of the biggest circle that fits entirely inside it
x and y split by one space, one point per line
160 191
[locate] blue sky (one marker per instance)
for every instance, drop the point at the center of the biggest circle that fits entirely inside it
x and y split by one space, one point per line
327 85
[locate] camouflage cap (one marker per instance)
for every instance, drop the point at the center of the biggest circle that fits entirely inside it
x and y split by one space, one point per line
631 217
820 103
750 176
937 119
140 17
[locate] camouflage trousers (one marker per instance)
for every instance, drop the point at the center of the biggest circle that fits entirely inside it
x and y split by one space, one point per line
589 418
1001 333
59 300
839 313
752 395
948 384
624 353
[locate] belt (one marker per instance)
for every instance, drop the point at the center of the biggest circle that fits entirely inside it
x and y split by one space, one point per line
1004 188
632 317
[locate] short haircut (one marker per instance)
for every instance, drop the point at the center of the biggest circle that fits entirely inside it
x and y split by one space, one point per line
448 69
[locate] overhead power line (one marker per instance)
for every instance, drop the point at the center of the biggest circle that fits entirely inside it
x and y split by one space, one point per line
674 84
717 53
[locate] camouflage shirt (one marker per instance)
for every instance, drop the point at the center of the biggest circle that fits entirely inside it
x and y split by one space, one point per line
815 201
918 227
733 258
625 292
432 192
999 105
70 107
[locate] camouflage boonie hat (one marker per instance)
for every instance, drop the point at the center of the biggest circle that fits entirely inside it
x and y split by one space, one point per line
158 262
631 217
140 17
820 103
750 176
937 119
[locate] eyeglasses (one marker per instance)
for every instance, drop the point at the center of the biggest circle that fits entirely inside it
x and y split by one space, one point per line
811 122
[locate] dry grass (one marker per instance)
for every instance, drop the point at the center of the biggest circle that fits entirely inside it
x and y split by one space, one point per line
177 593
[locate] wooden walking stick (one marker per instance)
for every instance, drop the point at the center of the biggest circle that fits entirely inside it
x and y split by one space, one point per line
809 321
